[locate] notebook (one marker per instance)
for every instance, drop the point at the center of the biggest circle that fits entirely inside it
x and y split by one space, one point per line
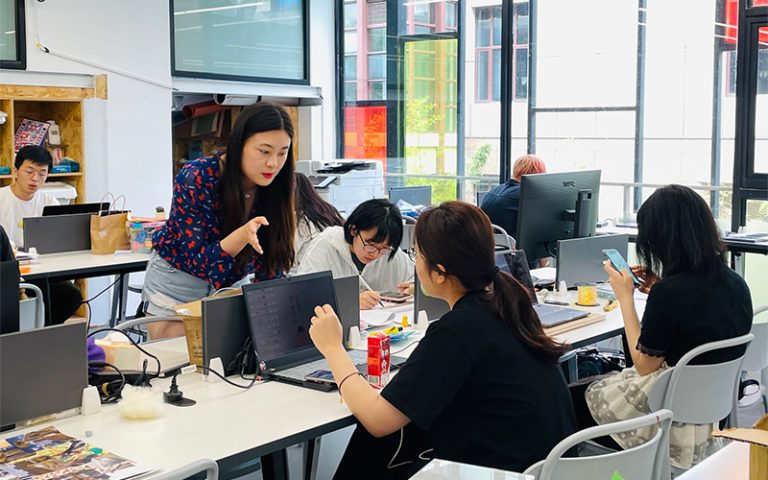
279 316
516 264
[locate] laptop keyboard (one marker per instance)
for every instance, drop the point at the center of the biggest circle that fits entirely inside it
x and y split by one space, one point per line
359 358
552 315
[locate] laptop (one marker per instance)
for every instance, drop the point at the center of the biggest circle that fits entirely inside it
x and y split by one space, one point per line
279 316
580 260
225 331
516 264
58 233
74 208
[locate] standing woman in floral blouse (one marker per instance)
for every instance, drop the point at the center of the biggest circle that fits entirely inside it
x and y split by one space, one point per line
232 216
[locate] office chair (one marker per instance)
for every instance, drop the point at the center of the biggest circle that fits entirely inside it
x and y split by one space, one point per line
649 460
32 309
756 357
700 394
209 467
504 243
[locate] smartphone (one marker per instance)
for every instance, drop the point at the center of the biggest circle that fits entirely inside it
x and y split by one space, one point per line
395 297
320 376
619 263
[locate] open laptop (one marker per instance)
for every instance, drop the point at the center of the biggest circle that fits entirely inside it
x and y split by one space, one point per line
433 306
516 264
74 208
580 260
279 315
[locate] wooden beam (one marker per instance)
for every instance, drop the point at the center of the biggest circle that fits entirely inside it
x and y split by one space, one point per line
100 85
25 92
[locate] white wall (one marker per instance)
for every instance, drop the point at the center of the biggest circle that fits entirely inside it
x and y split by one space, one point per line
128 147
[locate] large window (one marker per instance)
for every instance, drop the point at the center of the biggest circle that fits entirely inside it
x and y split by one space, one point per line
12 47
240 40
488 52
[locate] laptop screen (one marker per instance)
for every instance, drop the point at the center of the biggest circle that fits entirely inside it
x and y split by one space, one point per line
280 311
516 264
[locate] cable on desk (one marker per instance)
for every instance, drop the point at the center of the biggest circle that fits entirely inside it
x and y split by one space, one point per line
133 342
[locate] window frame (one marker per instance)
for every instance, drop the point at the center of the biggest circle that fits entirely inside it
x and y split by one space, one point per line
516 48
21 40
246 78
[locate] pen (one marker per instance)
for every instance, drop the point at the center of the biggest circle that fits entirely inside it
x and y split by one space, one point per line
367 287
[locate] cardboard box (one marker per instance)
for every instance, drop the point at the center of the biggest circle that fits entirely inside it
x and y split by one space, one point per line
757 437
192 316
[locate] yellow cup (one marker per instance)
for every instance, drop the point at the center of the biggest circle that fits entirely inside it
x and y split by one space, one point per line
587 295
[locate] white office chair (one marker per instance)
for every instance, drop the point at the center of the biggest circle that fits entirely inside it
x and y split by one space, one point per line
210 468
700 394
649 460
504 243
756 358
32 309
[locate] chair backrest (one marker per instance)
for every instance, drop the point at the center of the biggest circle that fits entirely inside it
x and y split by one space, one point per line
502 239
31 310
210 468
144 320
756 357
649 460
700 394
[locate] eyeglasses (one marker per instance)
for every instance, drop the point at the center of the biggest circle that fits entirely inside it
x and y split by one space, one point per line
31 172
374 249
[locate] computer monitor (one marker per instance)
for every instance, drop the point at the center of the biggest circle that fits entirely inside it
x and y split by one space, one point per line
419 195
556 206
75 208
9 296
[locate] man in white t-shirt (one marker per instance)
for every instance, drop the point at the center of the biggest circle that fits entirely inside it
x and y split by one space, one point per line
23 199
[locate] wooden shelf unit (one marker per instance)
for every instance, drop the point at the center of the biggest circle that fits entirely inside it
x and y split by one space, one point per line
64 105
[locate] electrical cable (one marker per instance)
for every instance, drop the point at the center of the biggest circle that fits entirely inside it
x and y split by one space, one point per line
133 342
108 396
87 303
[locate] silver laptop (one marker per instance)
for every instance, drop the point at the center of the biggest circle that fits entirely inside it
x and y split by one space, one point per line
580 260
516 264
279 315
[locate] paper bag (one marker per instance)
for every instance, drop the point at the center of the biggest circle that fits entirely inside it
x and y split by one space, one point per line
108 231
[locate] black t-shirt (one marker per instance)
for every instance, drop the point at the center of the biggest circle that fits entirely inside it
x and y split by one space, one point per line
360 265
6 252
501 205
686 310
481 396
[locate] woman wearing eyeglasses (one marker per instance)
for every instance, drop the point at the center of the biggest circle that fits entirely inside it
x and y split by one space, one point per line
366 245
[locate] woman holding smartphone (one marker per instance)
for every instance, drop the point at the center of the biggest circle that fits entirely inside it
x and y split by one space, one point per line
694 298
483 375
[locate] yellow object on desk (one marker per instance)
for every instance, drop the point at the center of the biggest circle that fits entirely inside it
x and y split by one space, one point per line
404 322
610 305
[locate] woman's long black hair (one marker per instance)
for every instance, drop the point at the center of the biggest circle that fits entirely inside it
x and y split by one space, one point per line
312 208
676 232
275 202
469 256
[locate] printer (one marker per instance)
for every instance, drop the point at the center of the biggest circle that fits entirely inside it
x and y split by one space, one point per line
345 184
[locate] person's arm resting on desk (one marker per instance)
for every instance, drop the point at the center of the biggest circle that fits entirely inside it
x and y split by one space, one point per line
377 415
646 360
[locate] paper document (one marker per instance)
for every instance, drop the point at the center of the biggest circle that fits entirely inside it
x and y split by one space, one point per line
378 317
541 276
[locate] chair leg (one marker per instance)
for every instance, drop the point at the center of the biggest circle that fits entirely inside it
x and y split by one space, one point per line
764 386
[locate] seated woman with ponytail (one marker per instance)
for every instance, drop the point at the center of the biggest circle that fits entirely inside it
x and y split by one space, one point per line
482 387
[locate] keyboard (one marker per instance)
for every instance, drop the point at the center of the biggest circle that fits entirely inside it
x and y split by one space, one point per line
359 358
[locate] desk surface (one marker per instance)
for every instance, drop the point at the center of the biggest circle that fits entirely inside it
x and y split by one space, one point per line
731 462
84 264
731 244
225 423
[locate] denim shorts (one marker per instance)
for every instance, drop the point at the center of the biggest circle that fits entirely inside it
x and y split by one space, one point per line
165 287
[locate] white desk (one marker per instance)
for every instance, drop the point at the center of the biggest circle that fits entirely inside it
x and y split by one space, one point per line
445 470
731 462
84 264
227 424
